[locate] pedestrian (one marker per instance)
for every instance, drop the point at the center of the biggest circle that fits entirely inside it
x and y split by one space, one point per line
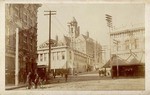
43 76
99 73
102 73
36 79
66 76
29 80
61 73
54 74
24 76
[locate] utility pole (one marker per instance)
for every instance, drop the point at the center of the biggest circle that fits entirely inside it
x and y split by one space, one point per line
109 24
50 13
117 42
103 57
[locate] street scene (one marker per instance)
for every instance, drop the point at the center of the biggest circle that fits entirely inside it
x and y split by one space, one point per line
93 82
75 47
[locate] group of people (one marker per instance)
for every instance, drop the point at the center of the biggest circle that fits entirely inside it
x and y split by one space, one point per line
32 79
102 72
129 72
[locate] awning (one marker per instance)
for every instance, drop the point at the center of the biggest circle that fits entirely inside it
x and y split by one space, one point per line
121 62
42 66
118 61
133 62
107 65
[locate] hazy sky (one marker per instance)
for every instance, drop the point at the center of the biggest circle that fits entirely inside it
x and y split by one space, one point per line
90 17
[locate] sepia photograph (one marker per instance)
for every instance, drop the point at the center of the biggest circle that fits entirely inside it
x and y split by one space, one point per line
74 47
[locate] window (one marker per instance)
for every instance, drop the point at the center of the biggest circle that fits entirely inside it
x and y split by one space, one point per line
63 55
41 57
58 56
45 58
127 44
114 47
119 47
55 55
136 43
25 18
70 55
53 58
71 30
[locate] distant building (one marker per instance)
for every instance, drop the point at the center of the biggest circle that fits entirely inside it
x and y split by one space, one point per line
76 52
85 44
129 46
23 17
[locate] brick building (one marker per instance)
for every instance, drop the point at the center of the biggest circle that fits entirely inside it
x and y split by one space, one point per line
24 18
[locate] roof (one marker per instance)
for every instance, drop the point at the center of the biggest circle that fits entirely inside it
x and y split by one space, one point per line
128 30
67 39
134 60
46 44
73 19
42 66
107 65
121 62
86 38
64 41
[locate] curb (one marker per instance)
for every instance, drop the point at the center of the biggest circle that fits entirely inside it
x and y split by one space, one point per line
11 88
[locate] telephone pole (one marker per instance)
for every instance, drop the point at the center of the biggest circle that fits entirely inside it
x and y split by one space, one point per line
50 13
110 25
116 42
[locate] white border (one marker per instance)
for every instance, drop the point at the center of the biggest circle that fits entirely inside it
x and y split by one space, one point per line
2 49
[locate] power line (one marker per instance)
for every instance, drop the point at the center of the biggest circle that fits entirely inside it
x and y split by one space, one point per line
58 22
58 28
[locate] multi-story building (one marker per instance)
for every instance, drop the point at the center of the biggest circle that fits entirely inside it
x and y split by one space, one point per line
129 45
24 18
77 52
62 57
127 41
85 44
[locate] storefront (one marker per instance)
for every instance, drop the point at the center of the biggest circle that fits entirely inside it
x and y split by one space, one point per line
123 68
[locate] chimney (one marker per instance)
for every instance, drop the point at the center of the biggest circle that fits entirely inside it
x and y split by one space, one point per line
78 30
87 34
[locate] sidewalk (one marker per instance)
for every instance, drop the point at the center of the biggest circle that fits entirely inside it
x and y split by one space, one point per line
21 85
12 86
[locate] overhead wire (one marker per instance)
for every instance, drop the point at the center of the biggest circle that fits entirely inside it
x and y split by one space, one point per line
64 30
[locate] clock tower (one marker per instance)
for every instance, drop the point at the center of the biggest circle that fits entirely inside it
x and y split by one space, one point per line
73 28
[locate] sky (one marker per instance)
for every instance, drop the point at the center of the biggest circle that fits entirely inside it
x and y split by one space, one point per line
90 17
